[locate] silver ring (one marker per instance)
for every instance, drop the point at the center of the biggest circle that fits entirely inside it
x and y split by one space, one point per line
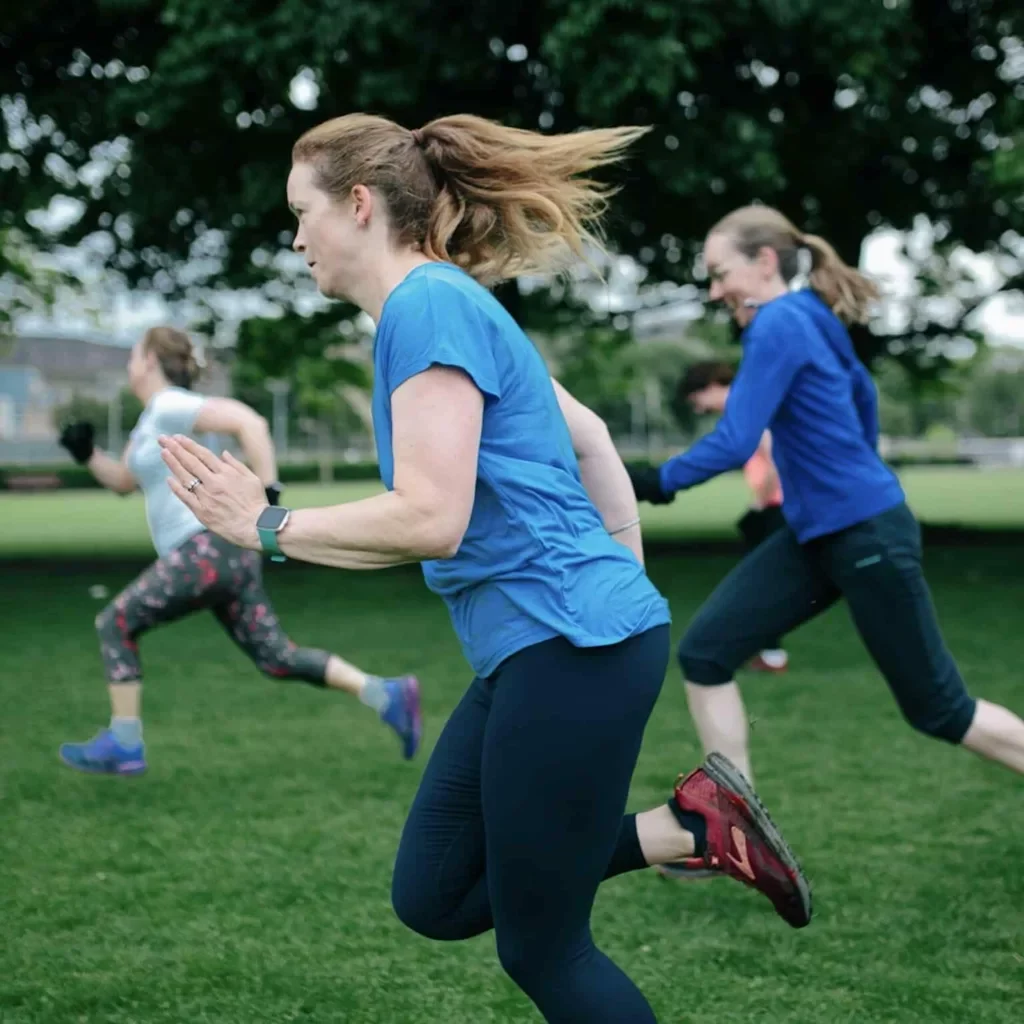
192 486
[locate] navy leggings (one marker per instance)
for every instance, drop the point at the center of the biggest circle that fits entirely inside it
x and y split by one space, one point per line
206 572
520 816
876 566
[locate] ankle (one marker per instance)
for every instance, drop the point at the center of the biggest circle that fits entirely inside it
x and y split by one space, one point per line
661 838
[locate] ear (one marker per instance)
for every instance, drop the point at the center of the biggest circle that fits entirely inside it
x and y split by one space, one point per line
362 205
767 260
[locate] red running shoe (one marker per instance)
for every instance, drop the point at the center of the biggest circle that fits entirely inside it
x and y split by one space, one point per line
742 842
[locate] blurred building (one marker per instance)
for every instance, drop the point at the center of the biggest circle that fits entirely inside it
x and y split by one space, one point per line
40 373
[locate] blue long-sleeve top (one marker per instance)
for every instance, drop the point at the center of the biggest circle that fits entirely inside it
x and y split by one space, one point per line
801 379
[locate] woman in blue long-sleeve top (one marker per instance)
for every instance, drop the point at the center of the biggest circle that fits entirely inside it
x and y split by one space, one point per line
849 533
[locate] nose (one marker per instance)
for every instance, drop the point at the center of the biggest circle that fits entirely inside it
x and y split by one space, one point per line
298 242
717 291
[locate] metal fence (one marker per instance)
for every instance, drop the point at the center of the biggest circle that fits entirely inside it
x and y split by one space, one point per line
981 451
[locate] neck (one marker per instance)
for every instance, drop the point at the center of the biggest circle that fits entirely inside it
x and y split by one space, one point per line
148 388
383 278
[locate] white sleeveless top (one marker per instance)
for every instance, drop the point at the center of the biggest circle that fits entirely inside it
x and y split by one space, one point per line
171 411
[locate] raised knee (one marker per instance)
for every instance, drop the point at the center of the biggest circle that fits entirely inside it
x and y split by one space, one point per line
702 667
420 912
949 722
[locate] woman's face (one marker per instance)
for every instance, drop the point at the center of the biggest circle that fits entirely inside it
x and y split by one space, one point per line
331 235
140 365
709 399
741 282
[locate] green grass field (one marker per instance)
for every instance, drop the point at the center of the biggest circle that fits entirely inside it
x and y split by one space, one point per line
97 523
245 878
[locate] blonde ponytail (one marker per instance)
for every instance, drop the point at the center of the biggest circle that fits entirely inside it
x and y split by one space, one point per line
497 201
847 291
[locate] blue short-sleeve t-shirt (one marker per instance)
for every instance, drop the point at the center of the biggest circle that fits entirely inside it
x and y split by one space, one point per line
536 561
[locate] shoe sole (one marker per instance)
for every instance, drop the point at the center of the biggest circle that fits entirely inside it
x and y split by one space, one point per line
723 772
84 770
676 874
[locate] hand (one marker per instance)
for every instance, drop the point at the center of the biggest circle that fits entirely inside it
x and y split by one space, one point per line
646 481
78 439
751 527
228 498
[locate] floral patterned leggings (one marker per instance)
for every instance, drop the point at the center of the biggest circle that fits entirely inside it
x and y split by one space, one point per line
206 572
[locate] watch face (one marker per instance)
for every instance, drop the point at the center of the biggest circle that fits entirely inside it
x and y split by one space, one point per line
273 517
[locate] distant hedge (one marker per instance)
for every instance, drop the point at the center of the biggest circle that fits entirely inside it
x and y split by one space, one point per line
895 461
75 477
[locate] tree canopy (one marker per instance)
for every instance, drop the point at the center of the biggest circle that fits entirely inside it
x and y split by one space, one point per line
170 122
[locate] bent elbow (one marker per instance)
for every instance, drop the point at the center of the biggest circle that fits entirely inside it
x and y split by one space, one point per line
442 535
444 541
745 445
256 428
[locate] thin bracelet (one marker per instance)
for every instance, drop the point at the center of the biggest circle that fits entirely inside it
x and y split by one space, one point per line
625 526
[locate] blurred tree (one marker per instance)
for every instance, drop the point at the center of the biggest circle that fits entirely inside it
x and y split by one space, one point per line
92 410
169 122
310 354
24 285
995 401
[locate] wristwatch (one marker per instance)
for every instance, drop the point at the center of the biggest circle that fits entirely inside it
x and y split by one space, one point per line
273 519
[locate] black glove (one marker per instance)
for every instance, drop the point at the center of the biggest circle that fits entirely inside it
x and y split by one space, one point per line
273 492
646 481
751 527
78 439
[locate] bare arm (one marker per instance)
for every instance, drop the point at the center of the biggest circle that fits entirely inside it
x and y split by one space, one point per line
603 474
437 417
113 473
248 427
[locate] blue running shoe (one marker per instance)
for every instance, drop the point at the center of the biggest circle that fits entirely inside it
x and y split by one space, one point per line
403 713
103 755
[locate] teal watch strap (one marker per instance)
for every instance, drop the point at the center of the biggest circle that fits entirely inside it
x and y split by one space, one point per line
268 541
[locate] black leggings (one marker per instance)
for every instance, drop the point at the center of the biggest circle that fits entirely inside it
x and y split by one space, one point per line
876 567
520 815
756 526
206 572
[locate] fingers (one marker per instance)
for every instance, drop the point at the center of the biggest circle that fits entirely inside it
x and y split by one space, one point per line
180 462
184 495
231 461
203 463
185 464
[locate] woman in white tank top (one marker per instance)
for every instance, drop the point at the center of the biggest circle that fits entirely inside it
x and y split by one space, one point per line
197 569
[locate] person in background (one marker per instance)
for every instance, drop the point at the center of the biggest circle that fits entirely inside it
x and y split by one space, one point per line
196 570
705 388
849 533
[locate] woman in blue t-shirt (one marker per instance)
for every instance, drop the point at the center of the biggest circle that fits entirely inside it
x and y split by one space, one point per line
512 496
850 533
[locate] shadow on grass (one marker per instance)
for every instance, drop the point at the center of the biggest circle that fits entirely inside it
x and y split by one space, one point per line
935 535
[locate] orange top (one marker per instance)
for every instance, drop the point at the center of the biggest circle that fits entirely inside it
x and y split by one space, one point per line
758 470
